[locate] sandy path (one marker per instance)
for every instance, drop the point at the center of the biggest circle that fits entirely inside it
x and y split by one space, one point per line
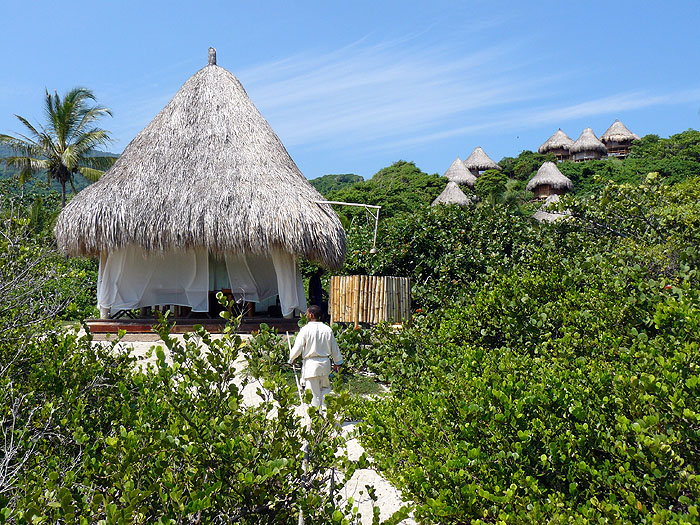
389 499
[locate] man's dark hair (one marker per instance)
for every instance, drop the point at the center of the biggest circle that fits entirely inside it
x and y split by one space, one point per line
315 311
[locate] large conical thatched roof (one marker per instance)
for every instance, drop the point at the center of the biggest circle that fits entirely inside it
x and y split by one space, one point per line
549 174
559 140
458 173
618 132
479 160
452 195
587 142
208 171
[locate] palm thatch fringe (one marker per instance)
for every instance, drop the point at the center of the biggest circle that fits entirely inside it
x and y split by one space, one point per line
208 171
588 142
618 132
452 195
479 160
559 140
458 173
549 175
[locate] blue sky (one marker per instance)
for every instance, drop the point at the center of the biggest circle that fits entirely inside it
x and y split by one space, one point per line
351 87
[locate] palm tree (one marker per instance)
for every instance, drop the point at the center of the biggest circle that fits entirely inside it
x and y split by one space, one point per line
66 145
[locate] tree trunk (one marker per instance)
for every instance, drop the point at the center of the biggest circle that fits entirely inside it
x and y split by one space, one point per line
63 194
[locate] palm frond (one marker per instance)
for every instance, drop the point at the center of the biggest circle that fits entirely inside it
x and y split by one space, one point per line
91 141
98 163
90 174
37 134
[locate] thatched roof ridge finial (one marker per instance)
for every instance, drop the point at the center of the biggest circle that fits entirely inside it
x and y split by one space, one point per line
549 174
212 56
618 132
457 172
479 160
588 142
559 140
208 171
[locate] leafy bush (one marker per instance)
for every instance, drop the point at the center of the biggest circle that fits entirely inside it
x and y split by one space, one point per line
93 437
445 250
561 386
491 182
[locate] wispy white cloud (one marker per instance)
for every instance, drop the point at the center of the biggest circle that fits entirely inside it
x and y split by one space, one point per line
384 96
364 93
535 116
388 96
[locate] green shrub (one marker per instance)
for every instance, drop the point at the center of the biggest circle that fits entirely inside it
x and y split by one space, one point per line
93 437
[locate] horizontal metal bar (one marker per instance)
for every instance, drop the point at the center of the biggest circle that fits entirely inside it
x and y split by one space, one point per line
349 204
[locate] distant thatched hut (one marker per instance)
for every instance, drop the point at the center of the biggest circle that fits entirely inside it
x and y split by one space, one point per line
205 198
458 173
479 162
452 195
558 144
618 139
587 147
549 181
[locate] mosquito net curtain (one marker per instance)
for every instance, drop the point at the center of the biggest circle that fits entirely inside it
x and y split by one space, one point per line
132 277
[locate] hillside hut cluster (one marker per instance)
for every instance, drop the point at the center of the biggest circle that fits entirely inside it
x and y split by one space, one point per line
464 174
204 199
549 182
615 142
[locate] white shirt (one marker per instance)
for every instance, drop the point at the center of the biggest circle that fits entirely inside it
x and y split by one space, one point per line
316 345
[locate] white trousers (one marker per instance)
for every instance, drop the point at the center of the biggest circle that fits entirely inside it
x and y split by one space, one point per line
314 384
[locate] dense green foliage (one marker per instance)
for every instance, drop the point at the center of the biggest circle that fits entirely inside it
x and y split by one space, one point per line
399 188
94 437
525 165
37 284
491 182
557 381
329 183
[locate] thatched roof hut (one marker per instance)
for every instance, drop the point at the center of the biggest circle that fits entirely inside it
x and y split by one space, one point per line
587 147
207 173
479 161
452 195
617 139
549 181
558 144
458 173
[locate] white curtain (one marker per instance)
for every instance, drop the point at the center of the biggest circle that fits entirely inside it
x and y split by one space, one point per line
132 277
251 277
290 285
258 277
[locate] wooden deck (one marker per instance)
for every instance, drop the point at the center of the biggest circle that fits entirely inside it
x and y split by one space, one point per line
214 326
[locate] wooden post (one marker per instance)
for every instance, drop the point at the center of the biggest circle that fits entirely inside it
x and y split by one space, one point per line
357 280
383 301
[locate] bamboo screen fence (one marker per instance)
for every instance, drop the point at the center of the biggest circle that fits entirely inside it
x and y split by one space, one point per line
369 299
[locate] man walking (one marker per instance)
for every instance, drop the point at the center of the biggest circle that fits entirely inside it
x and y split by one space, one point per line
316 345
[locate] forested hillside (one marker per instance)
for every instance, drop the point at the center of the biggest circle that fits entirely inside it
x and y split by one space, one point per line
328 183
